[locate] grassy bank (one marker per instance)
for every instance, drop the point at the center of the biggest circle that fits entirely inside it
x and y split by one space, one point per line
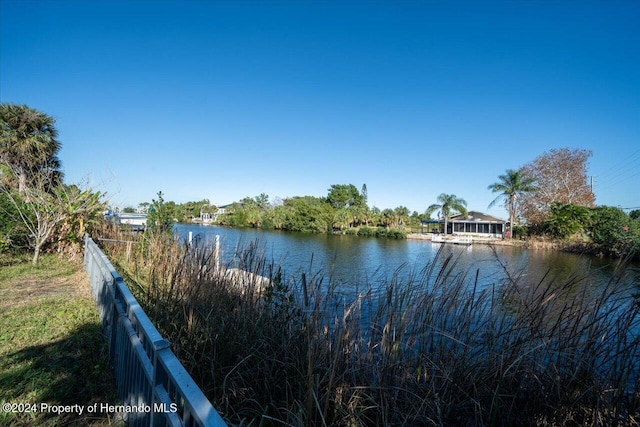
51 347
430 350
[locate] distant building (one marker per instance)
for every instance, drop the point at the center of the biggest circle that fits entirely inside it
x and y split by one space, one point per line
222 210
207 217
473 224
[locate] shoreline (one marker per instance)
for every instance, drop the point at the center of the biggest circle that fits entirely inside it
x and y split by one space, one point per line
476 240
576 247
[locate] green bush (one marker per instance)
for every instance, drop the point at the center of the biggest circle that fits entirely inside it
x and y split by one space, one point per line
396 234
366 232
381 233
520 231
267 223
566 219
614 230
13 233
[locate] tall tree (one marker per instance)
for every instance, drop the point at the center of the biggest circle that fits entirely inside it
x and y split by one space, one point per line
561 177
262 200
341 219
387 217
364 193
160 216
29 145
511 186
344 195
401 214
447 205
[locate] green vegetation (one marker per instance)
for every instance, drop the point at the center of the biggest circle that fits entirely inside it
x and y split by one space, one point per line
432 350
51 347
512 186
269 349
160 219
13 234
546 198
447 205
29 145
343 211
603 230
37 208
566 220
550 198
614 230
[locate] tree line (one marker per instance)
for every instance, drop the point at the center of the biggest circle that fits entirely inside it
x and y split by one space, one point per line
548 197
343 210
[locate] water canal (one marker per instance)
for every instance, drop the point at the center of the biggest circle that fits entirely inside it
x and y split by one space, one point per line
354 262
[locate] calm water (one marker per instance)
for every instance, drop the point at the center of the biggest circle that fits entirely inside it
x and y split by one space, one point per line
353 262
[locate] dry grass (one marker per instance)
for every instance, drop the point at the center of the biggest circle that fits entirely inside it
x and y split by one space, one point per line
40 284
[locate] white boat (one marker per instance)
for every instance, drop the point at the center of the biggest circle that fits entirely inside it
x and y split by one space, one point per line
437 238
462 241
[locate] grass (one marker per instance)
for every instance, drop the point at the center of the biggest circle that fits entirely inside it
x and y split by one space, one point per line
429 350
51 347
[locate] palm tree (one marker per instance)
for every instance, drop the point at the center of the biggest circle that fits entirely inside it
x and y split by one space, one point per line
511 185
28 144
448 204
401 214
387 217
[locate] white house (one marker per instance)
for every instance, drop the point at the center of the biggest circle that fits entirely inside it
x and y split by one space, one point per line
473 223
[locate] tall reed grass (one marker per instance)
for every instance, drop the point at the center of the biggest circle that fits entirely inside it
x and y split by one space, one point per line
433 349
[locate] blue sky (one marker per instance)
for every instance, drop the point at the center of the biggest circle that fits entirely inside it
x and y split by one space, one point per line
222 100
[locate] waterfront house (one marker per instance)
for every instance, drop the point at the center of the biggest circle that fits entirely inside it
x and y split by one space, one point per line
209 215
476 224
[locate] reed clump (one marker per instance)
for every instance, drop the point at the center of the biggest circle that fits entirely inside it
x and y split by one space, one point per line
433 349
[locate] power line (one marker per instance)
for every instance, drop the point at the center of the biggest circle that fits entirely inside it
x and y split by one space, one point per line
622 166
619 180
620 177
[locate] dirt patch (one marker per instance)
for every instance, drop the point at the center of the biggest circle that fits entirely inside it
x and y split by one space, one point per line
31 288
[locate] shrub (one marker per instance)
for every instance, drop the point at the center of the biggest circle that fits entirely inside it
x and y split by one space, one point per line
520 231
613 229
566 219
381 232
13 233
366 232
396 234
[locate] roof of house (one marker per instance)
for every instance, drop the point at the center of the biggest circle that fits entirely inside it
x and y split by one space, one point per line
474 216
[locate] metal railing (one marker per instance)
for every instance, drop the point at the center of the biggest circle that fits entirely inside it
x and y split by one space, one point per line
155 387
